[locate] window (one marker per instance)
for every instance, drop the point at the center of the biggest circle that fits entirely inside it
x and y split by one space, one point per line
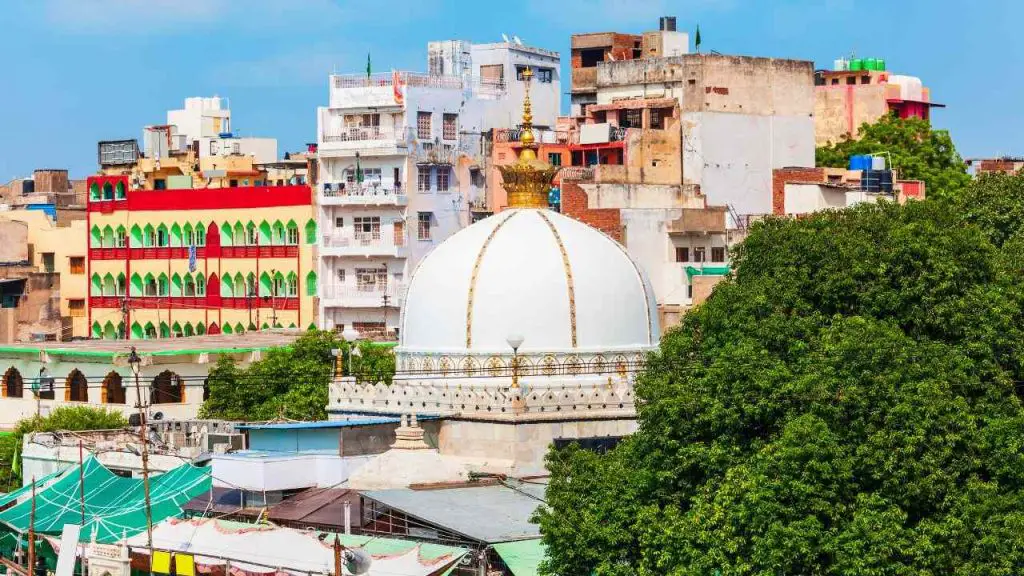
492 74
423 178
658 117
554 158
339 222
161 237
699 254
371 279
253 236
121 285
449 126
200 285
851 80
121 239
76 308
423 226
150 287
544 75
682 254
341 275
367 227
718 254
233 184
159 184
423 127
443 177
689 291
78 264
48 265
835 81
293 235
631 118
865 79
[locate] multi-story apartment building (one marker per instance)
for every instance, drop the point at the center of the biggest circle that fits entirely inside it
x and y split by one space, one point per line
401 160
181 262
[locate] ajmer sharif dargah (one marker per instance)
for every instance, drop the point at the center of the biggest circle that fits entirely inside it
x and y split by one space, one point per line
524 329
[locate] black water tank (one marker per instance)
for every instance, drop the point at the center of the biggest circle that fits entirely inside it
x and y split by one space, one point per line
885 181
667 23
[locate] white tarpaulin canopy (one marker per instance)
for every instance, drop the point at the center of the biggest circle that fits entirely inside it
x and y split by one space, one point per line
259 549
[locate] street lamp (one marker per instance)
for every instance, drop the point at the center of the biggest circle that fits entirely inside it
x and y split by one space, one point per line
135 363
515 341
350 335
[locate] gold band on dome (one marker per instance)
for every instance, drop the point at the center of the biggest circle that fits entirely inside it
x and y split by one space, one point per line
568 276
472 279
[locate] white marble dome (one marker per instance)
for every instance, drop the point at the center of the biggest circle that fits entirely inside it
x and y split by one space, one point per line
562 285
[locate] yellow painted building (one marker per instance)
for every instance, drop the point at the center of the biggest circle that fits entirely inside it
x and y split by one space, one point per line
169 263
60 249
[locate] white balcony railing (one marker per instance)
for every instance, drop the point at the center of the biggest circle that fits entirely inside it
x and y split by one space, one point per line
366 194
481 86
364 244
370 134
373 296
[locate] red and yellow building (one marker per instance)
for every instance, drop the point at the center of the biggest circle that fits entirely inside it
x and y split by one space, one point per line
170 263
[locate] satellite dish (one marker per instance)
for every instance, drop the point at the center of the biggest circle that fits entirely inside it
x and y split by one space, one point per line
357 561
504 37
158 416
517 40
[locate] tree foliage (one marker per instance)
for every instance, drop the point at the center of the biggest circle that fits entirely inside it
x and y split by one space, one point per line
62 418
917 151
290 381
848 402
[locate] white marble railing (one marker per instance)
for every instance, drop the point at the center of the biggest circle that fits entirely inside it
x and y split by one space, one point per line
536 398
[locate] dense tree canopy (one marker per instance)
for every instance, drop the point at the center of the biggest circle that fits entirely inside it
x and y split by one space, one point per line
848 402
290 381
916 151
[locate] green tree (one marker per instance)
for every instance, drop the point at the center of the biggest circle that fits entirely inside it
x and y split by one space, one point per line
63 418
916 151
847 402
289 381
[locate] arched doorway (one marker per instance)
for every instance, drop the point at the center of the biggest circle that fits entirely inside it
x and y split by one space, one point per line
76 388
13 385
113 389
167 388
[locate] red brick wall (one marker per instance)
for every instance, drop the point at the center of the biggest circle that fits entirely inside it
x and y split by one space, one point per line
574 205
782 175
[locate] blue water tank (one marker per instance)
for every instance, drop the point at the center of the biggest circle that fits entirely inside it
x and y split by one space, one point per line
860 162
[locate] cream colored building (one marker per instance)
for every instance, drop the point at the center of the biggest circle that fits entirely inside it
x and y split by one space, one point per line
61 250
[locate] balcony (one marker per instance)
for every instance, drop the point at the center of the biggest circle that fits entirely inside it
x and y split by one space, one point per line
362 195
341 296
367 140
365 244
699 221
432 153
584 80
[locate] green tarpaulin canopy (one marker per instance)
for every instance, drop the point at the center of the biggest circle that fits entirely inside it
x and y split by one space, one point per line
114 505
41 484
706 271
522 557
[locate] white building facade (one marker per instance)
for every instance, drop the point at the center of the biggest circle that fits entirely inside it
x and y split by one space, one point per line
400 159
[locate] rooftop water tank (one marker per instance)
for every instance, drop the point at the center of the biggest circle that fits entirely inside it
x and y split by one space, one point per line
856 65
878 162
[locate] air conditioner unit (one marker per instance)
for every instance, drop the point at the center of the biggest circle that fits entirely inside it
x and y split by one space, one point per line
229 441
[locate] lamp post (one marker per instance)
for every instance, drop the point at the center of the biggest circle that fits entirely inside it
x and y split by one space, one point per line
350 335
136 365
518 402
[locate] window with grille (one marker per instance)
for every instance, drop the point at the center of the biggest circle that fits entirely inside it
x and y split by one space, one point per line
122 238
76 308
423 125
254 236
555 158
699 254
631 118
423 226
449 126
682 254
718 254
150 288
366 227
77 264
341 275
293 236
658 116
443 178
339 222
371 279
423 178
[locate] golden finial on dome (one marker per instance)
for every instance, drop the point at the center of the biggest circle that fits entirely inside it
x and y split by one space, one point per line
528 180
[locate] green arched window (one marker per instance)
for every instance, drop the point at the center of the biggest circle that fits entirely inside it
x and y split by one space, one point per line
109 285
176 330
311 327
175 235
137 236
149 287
165 330
119 191
97 286
121 237
188 286
97 330
239 285
148 236
200 329
162 237
311 283
265 234
162 285
121 287
311 231
228 329
189 331
176 285
265 326
226 235
292 283
227 290
252 235
278 234
188 235
238 234
200 285
137 288
239 329
200 235
109 331
150 330
94 191
137 332
292 238
108 237
95 237
266 285
108 191
279 285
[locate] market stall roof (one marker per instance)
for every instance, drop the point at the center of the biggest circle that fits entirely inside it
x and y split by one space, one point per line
522 557
113 504
260 549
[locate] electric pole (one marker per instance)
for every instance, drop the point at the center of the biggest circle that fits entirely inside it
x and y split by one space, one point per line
136 365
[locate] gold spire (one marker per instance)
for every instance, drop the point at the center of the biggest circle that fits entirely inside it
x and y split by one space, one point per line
528 180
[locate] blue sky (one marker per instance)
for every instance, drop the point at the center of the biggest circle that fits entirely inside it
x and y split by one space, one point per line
79 71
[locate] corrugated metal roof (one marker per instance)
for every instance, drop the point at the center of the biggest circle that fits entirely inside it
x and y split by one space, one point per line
487 514
318 507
